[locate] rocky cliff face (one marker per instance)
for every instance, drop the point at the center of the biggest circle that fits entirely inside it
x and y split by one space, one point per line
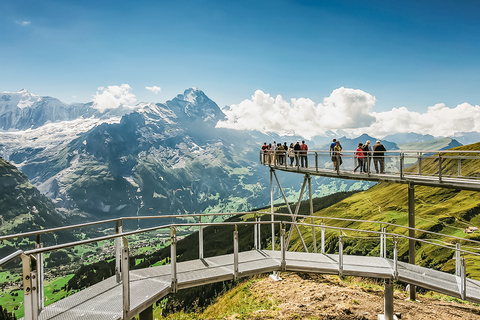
23 208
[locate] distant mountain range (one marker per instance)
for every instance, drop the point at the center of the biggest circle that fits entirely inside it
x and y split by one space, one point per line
153 158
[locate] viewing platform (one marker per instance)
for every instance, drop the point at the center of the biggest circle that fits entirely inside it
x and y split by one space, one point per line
445 169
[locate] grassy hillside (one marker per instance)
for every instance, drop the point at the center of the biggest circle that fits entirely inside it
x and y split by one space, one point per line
446 211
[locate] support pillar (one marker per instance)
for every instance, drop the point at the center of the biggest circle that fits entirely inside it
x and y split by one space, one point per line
271 209
411 233
146 314
388 301
314 237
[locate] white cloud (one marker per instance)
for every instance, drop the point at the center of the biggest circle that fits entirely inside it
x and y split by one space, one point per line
348 110
113 97
154 89
23 23
344 108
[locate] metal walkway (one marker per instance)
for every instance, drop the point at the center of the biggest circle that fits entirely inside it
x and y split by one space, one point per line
446 169
103 300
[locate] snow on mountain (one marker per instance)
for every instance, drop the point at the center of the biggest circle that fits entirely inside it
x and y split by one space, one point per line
159 157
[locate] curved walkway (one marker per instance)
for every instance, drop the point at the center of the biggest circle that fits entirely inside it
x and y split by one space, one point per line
103 300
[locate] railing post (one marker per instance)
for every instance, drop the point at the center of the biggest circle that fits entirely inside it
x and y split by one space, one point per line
282 248
40 276
381 241
173 257
259 234
30 287
395 259
384 231
255 233
402 156
420 164
463 292
235 254
340 254
458 262
118 252
200 240
459 166
125 279
316 161
439 168
323 237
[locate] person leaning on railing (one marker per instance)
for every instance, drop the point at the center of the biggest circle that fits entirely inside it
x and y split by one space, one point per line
297 150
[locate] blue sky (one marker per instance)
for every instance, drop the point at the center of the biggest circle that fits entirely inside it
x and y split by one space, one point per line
405 53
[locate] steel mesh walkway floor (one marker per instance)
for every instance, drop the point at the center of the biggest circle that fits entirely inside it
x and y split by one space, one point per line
104 300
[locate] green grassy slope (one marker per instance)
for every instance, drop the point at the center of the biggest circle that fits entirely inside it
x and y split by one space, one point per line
440 210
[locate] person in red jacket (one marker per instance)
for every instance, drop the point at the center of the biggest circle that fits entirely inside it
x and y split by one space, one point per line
359 156
303 154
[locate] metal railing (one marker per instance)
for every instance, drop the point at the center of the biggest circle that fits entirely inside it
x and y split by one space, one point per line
32 260
443 164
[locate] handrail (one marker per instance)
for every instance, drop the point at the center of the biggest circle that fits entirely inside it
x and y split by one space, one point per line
10 257
87 224
378 222
129 233
224 214
384 233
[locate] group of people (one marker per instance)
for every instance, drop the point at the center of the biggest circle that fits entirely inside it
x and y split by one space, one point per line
365 153
276 153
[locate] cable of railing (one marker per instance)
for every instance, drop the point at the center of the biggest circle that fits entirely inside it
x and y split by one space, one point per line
384 233
44 231
87 224
10 257
129 233
378 222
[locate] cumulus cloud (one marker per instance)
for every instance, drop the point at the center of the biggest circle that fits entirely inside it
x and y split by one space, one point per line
113 97
348 110
344 108
154 89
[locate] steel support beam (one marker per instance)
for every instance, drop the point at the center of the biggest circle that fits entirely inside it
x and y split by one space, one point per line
314 237
290 210
388 301
271 209
411 233
294 218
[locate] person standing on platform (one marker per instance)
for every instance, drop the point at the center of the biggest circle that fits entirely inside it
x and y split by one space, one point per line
291 154
304 155
359 158
379 156
281 153
367 153
264 151
336 156
297 150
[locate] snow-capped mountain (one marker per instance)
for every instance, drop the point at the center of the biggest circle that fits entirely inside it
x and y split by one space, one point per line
23 110
156 158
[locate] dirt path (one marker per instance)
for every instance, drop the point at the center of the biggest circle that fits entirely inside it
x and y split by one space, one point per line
312 296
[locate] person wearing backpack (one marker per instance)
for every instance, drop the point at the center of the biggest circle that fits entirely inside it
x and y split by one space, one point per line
379 156
367 153
303 154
